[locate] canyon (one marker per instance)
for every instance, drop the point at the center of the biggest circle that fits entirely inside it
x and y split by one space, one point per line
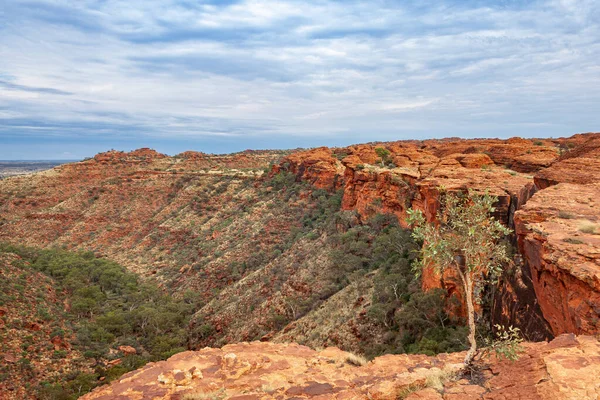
251 234
547 192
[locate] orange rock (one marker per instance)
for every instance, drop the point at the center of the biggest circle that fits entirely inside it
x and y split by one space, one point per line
59 343
425 394
33 326
317 166
474 160
10 358
558 236
566 368
127 350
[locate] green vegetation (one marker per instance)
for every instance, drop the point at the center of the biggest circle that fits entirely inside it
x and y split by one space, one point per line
507 343
384 157
401 318
109 307
466 240
410 320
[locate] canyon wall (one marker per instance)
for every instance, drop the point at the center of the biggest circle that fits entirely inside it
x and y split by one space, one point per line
554 286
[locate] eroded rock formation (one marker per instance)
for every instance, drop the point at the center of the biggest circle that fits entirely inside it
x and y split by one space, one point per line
556 274
566 368
559 236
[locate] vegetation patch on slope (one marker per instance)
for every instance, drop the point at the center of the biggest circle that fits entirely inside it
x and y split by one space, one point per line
114 322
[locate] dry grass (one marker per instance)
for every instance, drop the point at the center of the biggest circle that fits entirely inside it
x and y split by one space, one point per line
214 395
435 380
565 215
589 227
408 390
356 360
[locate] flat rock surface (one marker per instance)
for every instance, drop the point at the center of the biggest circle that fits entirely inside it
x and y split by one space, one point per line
566 368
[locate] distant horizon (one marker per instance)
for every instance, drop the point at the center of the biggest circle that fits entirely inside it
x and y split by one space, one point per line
174 153
222 76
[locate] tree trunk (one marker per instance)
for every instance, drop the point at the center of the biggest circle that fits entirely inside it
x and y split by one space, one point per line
471 314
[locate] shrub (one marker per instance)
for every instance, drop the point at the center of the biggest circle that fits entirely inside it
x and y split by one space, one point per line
565 215
590 227
507 343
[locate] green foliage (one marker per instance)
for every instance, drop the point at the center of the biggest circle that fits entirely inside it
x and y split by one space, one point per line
283 180
412 321
507 343
109 307
466 239
466 235
384 156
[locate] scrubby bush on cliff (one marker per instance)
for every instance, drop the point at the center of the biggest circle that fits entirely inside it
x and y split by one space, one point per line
465 239
384 156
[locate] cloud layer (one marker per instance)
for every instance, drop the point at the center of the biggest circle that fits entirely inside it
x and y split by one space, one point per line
229 75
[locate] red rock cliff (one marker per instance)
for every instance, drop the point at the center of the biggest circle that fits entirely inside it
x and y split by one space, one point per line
411 174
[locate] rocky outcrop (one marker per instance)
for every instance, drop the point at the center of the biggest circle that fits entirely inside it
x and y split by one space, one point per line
413 173
318 166
579 165
559 236
566 368
140 155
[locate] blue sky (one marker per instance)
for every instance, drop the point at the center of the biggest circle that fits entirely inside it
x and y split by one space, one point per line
79 77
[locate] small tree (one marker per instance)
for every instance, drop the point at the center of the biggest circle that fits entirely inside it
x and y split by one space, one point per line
466 239
384 155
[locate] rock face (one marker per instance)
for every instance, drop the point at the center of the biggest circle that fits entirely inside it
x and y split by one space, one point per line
413 172
580 165
566 368
318 166
559 236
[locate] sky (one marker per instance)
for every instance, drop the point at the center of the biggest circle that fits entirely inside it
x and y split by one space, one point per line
84 76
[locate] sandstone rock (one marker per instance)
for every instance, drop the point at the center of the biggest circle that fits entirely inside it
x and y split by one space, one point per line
317 166
425 394
579 165
60 343
127 350
557 236
33 326
566 368
10 358
114 362
269 371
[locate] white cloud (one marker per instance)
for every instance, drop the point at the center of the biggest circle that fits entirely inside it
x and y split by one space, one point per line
308 68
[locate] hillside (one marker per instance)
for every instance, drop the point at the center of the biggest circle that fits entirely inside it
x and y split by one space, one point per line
35 333
310 246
